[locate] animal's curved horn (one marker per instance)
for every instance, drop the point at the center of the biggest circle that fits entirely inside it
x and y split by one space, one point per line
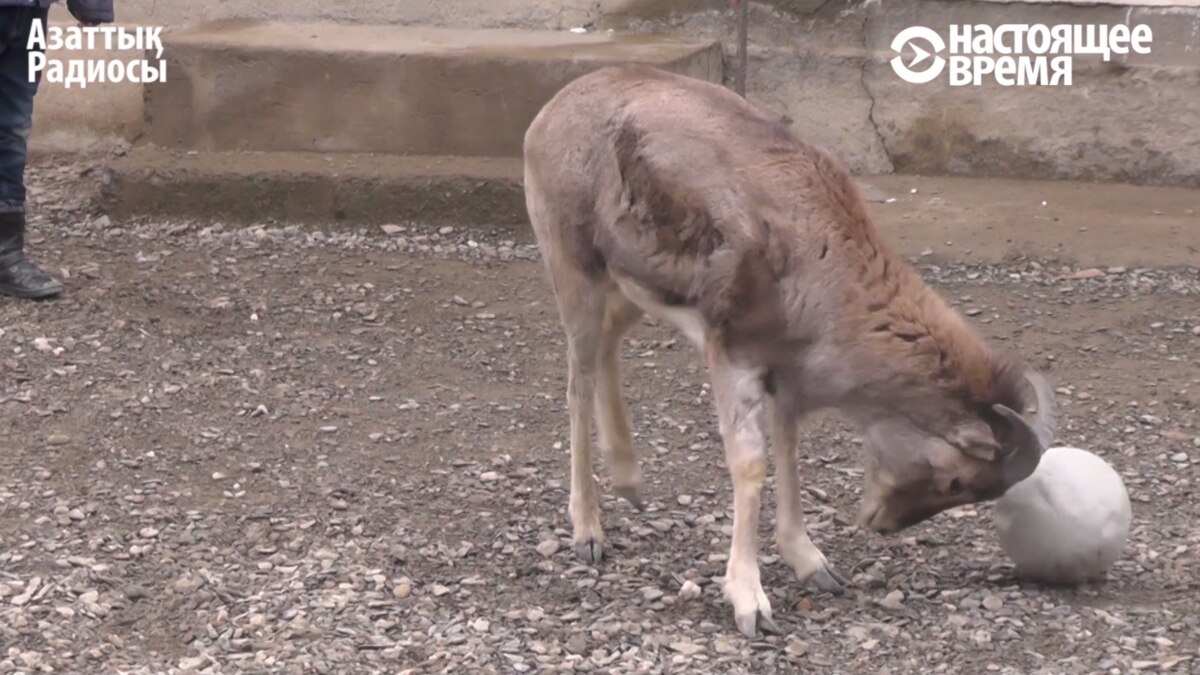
1045 420
1031 435
1022 461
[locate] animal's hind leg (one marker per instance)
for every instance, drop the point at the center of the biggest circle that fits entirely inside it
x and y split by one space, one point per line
612 415
581 301
580 297
581 307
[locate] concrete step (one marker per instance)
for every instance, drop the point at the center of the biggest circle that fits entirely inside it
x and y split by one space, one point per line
311 188
324 87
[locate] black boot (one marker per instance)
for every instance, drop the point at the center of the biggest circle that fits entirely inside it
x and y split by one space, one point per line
18 276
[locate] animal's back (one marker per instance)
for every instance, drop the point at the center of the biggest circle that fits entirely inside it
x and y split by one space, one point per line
657 98
698 133
684 187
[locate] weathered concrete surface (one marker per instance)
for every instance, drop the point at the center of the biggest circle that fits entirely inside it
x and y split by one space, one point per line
956 218
305 187
82 120
820 65
531 14
1093 224
107 115
250 85
1122 120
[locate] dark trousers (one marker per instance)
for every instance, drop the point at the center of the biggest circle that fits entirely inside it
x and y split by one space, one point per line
16 100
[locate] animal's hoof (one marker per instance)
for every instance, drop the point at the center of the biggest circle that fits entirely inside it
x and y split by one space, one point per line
828 580
751 607
591 551
631 495
749 624
767 625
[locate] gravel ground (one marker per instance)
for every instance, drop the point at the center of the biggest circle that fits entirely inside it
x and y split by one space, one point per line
269 450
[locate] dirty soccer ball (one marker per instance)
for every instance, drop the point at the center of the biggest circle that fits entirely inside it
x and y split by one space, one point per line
1068 522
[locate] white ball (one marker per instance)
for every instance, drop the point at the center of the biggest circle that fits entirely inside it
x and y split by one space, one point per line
1068 522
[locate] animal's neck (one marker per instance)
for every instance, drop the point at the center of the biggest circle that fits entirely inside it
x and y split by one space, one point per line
889 341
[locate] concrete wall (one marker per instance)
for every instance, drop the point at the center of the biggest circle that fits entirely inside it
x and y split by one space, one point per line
821 66
1124 120
105 114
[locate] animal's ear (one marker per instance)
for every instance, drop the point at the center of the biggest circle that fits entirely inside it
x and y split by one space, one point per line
975 438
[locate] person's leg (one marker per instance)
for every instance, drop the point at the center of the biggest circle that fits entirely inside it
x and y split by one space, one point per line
18 276
16 107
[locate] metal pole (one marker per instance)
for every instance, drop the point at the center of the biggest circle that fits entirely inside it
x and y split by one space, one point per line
743 10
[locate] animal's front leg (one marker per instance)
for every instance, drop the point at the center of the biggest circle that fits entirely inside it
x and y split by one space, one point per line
741 400
791 533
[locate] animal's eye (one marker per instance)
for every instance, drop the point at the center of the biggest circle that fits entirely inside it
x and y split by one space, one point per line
956 487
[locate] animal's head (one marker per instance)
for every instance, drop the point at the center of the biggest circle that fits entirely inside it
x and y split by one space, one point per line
941 451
